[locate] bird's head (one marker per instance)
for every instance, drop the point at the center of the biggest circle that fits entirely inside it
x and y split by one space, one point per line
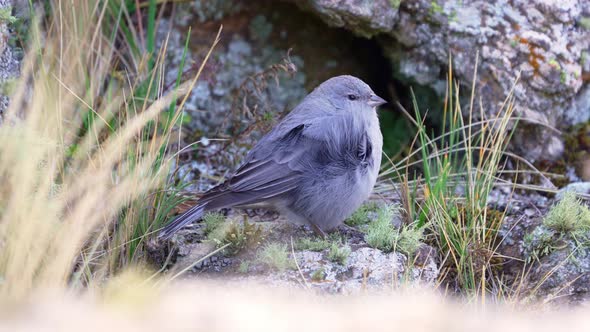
349 92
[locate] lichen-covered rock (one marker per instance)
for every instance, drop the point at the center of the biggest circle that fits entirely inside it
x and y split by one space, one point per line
548 264
547 42
561 268
9 63
364 17
215 9
582 188
365 268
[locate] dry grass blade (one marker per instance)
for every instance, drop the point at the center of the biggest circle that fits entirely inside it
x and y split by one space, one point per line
65 180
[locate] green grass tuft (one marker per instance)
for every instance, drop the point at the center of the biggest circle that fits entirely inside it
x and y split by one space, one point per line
240 236
409 239
244 267
275 256
312 244
339 253
362 215
319 274
381 233
568 216
212 221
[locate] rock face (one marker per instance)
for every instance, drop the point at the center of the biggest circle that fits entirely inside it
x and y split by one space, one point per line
546 41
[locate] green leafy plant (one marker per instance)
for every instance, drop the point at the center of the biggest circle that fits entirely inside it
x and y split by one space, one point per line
539 243
408 239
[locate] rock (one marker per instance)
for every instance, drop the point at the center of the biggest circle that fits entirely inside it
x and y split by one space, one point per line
9 61
366 17
366 269
196 173
556 265
577 187
544 40
562 274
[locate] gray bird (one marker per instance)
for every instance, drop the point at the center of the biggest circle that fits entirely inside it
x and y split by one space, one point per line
316 167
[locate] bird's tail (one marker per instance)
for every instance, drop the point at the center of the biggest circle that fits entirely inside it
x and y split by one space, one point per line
193 214
213 200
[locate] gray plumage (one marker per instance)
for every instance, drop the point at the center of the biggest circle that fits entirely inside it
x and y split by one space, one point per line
316 167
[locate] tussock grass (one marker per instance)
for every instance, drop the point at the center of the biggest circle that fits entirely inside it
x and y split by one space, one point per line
448 201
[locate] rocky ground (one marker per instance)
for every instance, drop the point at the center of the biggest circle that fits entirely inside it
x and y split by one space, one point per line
273 252
288 255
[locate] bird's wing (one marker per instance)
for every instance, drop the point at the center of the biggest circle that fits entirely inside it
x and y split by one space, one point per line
268 171
328 146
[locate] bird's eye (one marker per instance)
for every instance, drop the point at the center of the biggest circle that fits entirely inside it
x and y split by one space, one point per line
352 97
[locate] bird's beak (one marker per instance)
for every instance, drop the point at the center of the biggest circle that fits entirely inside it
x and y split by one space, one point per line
375 101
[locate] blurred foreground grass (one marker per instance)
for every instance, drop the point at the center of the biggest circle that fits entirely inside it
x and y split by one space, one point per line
85 153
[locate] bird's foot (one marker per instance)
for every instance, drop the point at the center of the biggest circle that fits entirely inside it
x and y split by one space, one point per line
318 231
